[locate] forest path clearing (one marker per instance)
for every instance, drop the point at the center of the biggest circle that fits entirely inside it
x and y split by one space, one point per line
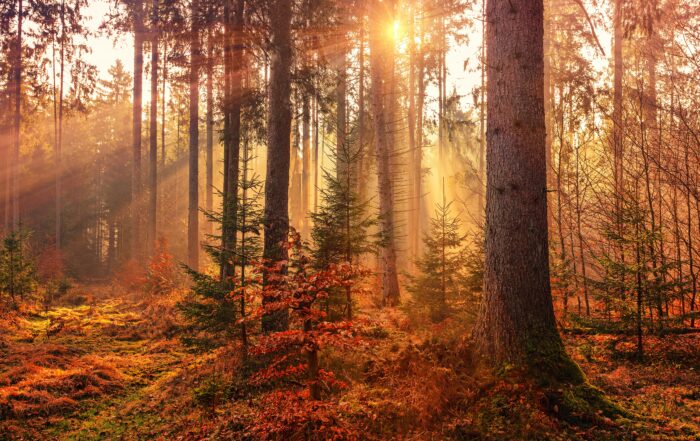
70 373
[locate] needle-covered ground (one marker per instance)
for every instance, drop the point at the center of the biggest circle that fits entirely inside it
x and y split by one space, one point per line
98 368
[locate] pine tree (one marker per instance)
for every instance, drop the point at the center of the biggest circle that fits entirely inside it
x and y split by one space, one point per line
17 275
442 271
214 311
341 224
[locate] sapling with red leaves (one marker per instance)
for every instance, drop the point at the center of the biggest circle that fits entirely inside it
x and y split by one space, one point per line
293 354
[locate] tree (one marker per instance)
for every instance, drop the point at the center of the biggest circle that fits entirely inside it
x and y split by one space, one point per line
341 223
193 204
17 275
279 125
153 132
17 118
516 322
136 135
379 20
442 273
234 63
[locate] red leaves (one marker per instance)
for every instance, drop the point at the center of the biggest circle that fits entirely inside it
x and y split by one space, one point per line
293 355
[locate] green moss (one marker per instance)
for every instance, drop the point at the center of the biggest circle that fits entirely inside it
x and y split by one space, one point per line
584 403
549 364
576 399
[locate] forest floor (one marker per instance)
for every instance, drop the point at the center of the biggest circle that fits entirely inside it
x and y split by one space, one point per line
96 368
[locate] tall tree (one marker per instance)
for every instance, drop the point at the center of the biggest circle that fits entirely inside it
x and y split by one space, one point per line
17 117
136 135
380 18
279 125
516 321
58 119
153 131
209 190
193 200
234 53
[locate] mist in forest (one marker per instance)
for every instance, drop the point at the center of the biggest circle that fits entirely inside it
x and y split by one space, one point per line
360 219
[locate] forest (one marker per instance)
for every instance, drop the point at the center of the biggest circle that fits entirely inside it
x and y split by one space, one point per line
350 220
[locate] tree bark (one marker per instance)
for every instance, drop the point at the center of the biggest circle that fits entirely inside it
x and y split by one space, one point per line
209 190
233 93
516 322
379 15
17 120
278 155
153 128
306 164
193 204
59 137
136 134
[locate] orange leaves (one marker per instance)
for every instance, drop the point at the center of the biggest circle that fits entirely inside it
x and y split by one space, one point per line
161 274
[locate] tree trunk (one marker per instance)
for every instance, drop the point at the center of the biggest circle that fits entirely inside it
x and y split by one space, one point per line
17 121
341 112
379 48
482 115
414 195
153 128
306 164
618 133
59 137
193 205
162 110
209 190
315 162
136 143
233 93
278 154
516 322
364 163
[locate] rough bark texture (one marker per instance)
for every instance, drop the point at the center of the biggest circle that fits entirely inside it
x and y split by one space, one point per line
193 205
153 132
279 124
233 67
516 322
390 284
136 133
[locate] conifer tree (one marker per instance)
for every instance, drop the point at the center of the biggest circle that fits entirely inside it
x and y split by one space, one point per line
17 275
442 271
213 309
342 222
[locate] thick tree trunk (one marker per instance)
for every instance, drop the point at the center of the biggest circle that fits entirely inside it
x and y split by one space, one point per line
379 15
193 204
153 128
278 153
516 321
136 133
